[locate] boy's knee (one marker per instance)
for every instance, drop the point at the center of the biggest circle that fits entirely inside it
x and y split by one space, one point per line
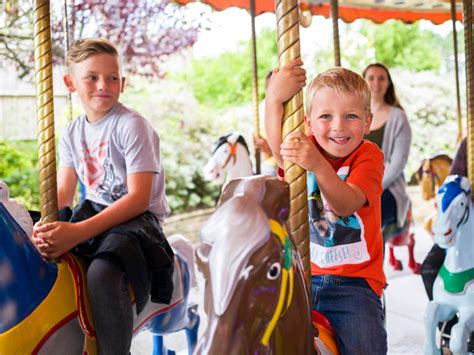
102 273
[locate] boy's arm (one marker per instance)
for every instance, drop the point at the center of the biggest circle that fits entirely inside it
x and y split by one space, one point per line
56 238
67 182
343 198
283 85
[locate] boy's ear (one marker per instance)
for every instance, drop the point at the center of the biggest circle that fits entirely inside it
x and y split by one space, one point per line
307 125
122 85
368 122
69 83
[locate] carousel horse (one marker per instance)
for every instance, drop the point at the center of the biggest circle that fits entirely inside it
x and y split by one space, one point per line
432 173
401 236
44 309
230 158
453 290
255 294
430 176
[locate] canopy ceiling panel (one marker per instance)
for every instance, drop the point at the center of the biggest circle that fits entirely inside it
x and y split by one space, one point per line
408 11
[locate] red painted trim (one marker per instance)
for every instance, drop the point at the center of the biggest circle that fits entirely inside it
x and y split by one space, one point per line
87 327
53 330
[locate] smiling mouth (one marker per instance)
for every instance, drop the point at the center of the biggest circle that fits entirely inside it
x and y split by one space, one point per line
340 141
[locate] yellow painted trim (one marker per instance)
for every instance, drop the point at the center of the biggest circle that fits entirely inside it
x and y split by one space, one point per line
290 292
278 230
278 309
58 304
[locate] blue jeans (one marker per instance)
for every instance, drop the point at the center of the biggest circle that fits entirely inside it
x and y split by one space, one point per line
354 311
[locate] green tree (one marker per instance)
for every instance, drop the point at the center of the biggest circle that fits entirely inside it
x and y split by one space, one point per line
227 79
406 46
18 170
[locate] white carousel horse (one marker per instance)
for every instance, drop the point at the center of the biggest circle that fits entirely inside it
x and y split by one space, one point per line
43 306
453 290
230 158
16 209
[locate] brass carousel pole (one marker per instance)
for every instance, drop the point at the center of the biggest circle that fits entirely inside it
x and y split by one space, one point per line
467 9
255 86
288 49
45 111
456 69
335 32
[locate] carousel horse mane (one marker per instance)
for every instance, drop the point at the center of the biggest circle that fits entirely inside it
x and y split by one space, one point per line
453 290
431 174
255 298
230 158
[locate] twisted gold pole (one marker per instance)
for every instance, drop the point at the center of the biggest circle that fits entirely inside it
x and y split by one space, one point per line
335 32
255 86
456 71
467 9
289 49
45 111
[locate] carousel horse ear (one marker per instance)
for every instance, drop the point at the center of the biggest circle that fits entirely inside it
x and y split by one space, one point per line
228 191
202 258
419 172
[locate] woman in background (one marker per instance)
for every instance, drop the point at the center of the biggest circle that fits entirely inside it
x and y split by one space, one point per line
391 131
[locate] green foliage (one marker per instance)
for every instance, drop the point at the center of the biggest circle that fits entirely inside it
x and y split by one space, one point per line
18 170
393 43
186 136
406 46
227 79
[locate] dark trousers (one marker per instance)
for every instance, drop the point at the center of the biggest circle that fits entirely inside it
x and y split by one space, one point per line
112 311
389 209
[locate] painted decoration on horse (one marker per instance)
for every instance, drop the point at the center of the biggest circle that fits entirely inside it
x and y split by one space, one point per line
43 306
230 159
453 290
255 295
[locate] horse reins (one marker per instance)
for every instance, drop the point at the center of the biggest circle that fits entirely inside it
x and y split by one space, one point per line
434 177
232 154
287 278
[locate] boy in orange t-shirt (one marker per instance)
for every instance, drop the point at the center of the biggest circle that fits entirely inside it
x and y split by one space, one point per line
344 189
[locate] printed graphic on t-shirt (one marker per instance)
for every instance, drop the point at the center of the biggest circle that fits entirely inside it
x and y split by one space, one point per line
97 172
334 240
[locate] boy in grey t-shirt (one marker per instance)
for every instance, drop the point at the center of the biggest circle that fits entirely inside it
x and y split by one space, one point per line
115 154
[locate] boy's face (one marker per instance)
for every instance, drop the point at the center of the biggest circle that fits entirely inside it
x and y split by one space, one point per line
98 83
338 122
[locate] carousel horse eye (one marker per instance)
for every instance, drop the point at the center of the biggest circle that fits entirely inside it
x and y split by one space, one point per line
274 271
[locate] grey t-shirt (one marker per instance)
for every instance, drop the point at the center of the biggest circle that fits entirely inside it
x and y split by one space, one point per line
103 153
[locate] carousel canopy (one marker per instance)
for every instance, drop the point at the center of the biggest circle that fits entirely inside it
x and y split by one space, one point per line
408 11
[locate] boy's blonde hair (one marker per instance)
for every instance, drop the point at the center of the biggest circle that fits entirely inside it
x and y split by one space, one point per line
342 80
82 49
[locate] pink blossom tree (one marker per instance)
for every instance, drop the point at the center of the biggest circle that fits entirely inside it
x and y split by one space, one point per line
146 31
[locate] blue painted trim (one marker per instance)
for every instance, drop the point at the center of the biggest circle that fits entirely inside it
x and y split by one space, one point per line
26 279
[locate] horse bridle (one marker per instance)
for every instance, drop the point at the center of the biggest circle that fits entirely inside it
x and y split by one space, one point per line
232 154
287 278
434 177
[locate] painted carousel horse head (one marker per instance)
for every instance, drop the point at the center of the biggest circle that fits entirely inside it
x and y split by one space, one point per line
432 173
430 176
453 290
255 296
43 308
230 158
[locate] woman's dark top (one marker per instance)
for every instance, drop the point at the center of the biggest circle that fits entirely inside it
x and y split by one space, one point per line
376 136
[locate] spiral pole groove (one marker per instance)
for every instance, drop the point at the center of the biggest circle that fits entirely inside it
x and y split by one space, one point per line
45 111
293 120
